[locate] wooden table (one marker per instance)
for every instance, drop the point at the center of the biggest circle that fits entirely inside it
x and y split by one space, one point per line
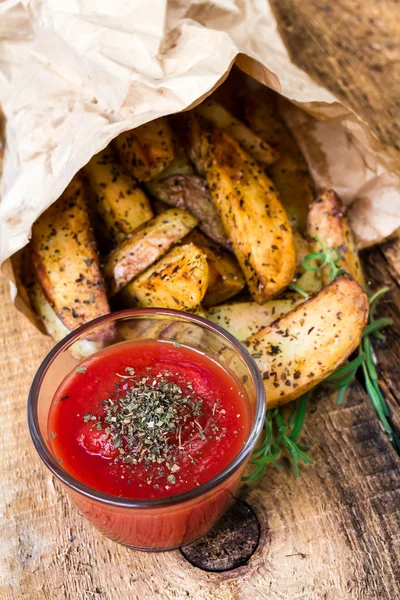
334 533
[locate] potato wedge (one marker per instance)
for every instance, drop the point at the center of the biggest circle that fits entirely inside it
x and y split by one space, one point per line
178 186
56 328
289 173
249 207
179 280
145 246
119 203
326 220
65 259
308 281
180 165
225 278
190 192
147 150
303 347
219 116
242 319
32 293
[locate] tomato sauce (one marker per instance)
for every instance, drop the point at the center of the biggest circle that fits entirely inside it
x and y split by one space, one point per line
147 419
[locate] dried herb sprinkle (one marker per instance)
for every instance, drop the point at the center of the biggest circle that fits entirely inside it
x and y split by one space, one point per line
148 424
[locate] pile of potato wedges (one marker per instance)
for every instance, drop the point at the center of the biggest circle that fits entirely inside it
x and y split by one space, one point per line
212 211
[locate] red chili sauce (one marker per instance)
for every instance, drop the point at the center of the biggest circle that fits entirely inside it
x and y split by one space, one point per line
147 419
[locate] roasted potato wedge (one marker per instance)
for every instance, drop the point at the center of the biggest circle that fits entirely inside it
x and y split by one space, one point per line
65 259
32 294
145 246
119 203
178 186
147 150
190 192
308 281
225 276
249 207
259 148
306 345
180 165
56 328
326 221
242 319
179 280
289 173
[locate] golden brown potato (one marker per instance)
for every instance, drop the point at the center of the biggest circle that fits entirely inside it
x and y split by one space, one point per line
242 319
56 328
326 221
179 280
289 173
147 150
219 116
145 246
306 345
252 215
308 281
120 205
225 278
65 259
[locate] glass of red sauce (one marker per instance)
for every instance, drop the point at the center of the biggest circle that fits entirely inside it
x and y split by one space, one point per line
148 418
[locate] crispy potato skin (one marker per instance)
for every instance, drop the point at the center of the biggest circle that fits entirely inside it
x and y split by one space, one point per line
178 280
190 192
220 117
243 319
225 276
146 246
65 259
327 221
306 345
147 150
120 205
249 207
289 173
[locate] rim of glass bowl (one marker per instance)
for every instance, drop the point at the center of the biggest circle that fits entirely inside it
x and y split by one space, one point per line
192 494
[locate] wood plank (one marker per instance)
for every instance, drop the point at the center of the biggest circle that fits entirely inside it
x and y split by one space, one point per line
352 47
333 533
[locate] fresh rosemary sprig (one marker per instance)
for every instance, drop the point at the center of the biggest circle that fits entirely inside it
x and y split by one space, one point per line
279 435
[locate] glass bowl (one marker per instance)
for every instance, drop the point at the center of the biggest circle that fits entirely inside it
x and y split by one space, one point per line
162 523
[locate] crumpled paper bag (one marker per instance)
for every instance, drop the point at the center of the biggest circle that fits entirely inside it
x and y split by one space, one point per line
73 75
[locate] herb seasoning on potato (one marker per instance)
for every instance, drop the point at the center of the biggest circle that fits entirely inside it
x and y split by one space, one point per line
66 261
253 217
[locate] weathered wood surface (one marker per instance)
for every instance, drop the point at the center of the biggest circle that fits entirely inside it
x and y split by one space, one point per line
352 47
334 533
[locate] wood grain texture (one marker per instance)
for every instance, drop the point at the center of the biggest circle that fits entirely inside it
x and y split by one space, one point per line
352 47
331 535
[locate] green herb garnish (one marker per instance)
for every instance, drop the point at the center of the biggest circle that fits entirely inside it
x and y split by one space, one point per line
280 435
